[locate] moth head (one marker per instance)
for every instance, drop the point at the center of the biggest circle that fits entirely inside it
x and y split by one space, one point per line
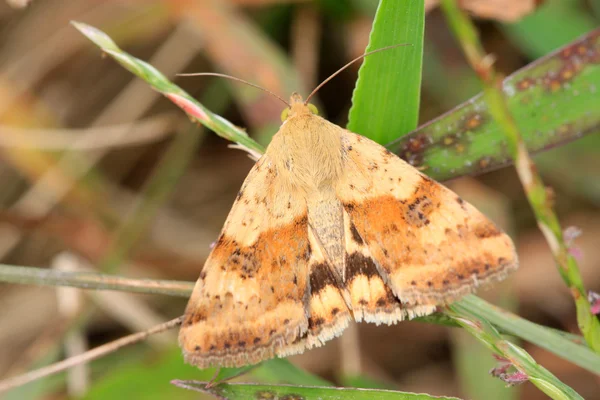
298 107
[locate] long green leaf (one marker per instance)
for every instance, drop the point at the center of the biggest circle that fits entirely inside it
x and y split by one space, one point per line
160 83
385 102
546 338
538 375
268 392
553 100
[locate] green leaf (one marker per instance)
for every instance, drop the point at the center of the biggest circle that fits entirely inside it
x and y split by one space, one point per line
160 83
271 392
385 102
546 338
552 102
227 374
472 364
517 357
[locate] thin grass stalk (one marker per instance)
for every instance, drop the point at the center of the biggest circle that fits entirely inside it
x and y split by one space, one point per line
194 109
568 346
86 357
92 281
515 355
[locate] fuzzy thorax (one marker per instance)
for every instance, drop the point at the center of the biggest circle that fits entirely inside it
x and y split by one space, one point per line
307 150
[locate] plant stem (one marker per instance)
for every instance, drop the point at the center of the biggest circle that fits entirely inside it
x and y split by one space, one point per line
567 346
518 357
160 83
537 194
92 280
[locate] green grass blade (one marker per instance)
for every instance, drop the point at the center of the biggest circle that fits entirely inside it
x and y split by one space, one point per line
543 337
253 391
244 38
552 102
385 102
472 364
518 358
92 280
160 83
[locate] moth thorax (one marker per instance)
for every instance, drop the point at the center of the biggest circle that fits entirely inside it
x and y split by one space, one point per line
311 152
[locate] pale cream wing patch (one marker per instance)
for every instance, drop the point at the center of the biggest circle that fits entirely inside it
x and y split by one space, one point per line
249 303
430 246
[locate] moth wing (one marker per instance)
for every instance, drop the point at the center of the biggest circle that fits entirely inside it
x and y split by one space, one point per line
249 303
328 310
428 244
371 298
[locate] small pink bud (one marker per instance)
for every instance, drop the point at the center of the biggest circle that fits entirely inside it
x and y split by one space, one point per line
516 378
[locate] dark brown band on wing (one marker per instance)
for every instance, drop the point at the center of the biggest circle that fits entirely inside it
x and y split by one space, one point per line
321 276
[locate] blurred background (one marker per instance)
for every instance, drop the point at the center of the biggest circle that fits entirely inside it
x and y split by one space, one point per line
97 171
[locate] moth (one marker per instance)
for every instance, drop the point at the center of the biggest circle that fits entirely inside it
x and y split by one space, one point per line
330 227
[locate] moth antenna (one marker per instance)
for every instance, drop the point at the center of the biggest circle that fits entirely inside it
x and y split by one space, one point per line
233 78
349 64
